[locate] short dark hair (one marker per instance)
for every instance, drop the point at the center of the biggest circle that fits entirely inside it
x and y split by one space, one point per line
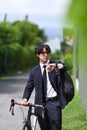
38 50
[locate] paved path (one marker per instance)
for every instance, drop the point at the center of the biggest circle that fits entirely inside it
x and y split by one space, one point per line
11 87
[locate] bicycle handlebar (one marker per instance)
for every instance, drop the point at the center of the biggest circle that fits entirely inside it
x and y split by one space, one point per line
13 103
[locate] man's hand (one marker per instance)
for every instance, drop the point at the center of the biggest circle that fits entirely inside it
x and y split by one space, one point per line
51 66
24 102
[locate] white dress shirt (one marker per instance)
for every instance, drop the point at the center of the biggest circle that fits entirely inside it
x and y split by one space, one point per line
50 90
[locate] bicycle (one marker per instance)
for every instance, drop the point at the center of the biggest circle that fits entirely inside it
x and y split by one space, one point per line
27 122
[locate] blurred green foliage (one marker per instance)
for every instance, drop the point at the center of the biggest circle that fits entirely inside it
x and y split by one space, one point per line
17 41
68 59
56 55
77 14
18 58
23 32
74 116
67 33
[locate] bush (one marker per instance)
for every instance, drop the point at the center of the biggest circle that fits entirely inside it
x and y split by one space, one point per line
55 56
2 58
14 56
68 60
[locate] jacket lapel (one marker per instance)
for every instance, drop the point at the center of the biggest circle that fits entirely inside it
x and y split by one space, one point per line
39 74
38 77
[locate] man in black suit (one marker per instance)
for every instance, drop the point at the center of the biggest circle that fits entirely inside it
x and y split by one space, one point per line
52 96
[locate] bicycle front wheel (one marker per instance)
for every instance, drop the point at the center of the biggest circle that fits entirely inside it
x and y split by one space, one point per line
26 127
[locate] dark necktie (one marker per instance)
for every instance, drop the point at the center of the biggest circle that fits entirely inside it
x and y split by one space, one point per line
44 83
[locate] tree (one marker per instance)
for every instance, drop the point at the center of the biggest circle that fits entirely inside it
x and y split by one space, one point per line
24 32
28 32
7 33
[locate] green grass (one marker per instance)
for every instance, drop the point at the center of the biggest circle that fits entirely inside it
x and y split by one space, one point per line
74 116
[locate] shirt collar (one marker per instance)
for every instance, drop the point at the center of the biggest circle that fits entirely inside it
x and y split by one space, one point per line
45 63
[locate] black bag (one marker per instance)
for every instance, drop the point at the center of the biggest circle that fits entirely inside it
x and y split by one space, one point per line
65 81
68 86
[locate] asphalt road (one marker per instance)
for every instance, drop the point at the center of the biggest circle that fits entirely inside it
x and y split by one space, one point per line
12 87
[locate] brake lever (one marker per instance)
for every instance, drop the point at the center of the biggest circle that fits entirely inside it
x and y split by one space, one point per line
12 106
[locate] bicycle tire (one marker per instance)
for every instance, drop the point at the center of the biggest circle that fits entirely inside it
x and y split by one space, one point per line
26 127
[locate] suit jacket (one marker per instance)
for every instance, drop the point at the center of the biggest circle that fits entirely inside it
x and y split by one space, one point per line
35 81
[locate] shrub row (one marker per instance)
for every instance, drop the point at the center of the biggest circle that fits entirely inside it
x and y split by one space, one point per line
14 57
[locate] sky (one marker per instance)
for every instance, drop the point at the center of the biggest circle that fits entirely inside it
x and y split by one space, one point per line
47 14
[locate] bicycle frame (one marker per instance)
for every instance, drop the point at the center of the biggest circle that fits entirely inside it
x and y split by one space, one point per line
27 120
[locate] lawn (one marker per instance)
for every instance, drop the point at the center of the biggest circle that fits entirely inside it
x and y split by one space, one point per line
74 116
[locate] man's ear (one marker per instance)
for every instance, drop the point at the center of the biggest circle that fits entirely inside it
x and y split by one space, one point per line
37 55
